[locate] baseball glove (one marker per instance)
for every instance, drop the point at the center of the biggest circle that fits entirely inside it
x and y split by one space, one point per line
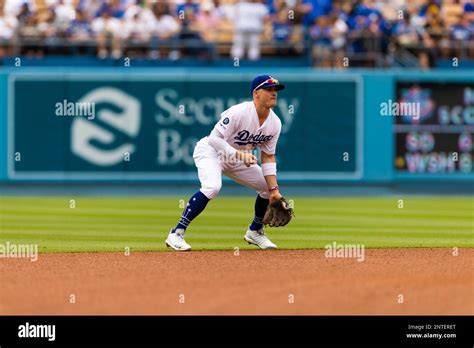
279 213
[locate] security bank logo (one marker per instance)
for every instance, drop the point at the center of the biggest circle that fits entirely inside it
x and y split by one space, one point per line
91 141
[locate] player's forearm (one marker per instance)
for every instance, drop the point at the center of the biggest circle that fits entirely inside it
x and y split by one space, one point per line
220 145
269 170
271 181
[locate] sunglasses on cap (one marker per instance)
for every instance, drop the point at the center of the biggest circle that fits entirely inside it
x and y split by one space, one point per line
269 82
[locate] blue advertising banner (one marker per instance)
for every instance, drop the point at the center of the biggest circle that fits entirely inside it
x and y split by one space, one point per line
76 126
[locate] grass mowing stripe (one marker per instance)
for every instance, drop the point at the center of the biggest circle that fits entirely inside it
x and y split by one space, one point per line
342 203
164 227
350 220
119 200
153 213
108 224
132 234
68 225
315 221
382 211
124 215
160 239
111 211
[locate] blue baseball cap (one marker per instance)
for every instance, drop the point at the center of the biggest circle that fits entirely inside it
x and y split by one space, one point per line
265 81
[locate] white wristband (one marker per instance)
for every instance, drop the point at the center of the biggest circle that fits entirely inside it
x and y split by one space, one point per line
269 168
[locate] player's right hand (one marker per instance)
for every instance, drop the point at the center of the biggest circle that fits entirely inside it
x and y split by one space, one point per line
248 158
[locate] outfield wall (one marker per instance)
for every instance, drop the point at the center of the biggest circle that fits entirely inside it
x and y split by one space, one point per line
142 124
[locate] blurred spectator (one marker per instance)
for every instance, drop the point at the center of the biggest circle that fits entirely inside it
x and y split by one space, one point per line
468 6
282 26
137 30
139 23
462 30
320 34
223 11
462 35
339 31
80 28
469 10
8 26
434 35
48 27
249 17
65 14
367 32
302 10
30 32
338 39
431 35
434 25
114 8
284 29
432 7
450 10
164 33
187 11
358 23
54 3
143 10
416 19
90 8
192 33
79 34
25 13
413 37
207 21
14 7
108 29
404 32
28 23
312 9
275 6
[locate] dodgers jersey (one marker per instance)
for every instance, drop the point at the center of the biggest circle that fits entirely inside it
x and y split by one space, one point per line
240 127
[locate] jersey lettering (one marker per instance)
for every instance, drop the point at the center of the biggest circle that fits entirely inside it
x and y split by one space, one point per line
244 138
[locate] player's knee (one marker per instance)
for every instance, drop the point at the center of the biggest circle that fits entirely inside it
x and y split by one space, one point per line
211 191
264 194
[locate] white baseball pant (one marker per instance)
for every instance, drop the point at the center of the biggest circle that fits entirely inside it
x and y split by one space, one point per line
211 167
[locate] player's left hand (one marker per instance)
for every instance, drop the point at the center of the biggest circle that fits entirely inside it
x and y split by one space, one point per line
279 213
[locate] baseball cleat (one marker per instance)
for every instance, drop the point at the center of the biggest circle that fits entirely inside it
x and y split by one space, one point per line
176 240
259 239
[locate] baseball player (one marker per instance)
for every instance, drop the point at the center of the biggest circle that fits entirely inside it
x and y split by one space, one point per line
228 150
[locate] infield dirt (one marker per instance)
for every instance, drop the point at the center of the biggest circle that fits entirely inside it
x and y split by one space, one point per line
388 281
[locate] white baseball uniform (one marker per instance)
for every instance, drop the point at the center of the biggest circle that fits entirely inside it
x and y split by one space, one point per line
238 129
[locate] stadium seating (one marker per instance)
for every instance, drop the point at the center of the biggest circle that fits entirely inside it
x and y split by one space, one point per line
369 33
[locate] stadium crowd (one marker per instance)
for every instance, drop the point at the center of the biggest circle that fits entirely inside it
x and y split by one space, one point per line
329 30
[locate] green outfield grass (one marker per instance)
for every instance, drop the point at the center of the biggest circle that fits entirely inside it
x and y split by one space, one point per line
114 223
